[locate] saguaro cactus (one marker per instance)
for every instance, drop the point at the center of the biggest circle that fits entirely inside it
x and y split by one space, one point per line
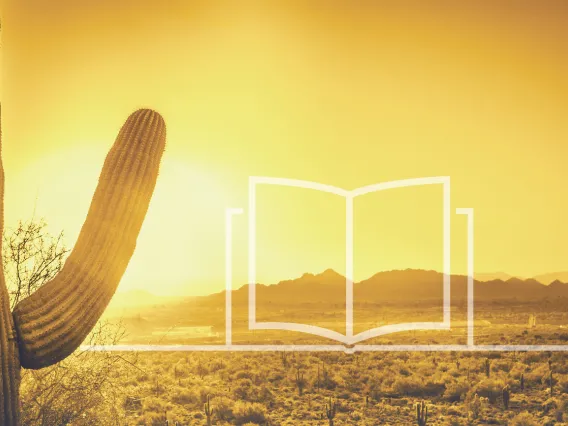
330 411
506 396
208 410
50 324
421 414
300 382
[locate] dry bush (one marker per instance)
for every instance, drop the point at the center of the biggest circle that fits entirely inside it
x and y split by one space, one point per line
524 419
417 386
489 388
246 412
562 382
183 396
457 390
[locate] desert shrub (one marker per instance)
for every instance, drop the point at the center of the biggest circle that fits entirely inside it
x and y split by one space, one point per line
216 365
456 390
154 419
473 406
550 404
501 365
153 404
352 383
534 357
356 416
183 396
517 369
417 386
265 395
245 412
330 382
203 391
275 376
524 419
132 403
536 375
562 382
244 374
490 389
224 408
243 389
561 410
143 377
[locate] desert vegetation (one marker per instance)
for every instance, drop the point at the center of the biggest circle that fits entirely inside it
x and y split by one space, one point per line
340 389
280 388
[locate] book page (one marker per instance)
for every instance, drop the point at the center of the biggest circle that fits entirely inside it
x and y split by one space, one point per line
398 259
300 261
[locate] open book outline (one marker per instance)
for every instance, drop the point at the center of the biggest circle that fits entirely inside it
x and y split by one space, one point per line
348 342
349 338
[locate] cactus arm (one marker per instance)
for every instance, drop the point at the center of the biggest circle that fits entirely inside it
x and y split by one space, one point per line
55 320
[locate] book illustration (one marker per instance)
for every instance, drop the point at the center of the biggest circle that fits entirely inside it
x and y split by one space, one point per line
349 338
348 342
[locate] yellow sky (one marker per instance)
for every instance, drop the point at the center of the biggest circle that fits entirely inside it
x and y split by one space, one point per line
346 93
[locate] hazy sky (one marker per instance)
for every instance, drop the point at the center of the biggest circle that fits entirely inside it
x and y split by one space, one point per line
346 93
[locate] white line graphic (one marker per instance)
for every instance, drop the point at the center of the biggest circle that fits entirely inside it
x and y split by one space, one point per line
470 324
325 348
229 213
349 338
348 343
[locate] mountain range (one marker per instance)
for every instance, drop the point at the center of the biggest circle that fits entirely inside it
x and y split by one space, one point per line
546 279
397 286
392 286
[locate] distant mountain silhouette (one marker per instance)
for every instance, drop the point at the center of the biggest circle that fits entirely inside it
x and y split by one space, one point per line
396 286
552 276
545 279
492 276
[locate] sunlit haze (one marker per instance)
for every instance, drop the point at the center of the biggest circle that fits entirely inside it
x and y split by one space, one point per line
346 93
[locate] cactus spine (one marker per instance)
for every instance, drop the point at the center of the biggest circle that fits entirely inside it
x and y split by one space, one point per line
50 324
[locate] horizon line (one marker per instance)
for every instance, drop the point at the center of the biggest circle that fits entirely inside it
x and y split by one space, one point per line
222 290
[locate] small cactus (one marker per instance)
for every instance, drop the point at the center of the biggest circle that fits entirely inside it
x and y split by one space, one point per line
551 383
421 414
522 384
284 358
300 382
330 411
506 396
208 410
487 367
